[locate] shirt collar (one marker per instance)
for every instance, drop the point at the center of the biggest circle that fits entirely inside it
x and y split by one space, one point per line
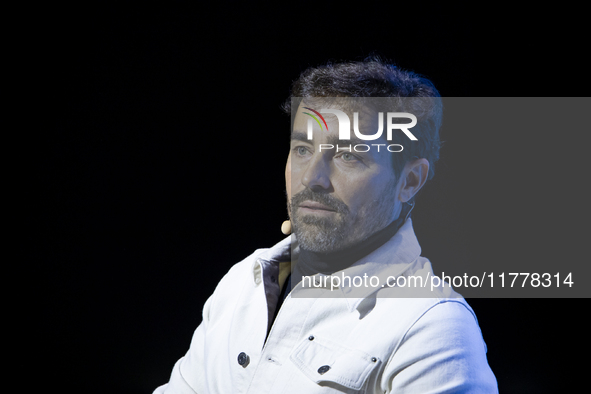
390 259
281 252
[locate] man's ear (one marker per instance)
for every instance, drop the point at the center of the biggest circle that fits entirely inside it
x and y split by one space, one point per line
414 176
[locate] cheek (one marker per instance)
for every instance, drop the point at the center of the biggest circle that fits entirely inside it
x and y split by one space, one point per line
366 192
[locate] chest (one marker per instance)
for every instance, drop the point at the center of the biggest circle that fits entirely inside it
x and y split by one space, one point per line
314 345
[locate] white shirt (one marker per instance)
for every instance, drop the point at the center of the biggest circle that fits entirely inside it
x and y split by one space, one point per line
367 339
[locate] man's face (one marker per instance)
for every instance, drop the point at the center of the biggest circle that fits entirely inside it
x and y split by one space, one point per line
337 198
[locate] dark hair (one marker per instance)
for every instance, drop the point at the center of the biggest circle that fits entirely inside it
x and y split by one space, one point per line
374 77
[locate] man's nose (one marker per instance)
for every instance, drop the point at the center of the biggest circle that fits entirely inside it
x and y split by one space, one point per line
317 174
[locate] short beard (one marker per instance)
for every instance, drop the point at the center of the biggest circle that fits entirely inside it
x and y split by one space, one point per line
325 235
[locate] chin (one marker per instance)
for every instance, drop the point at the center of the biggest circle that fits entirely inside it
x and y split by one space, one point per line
315 240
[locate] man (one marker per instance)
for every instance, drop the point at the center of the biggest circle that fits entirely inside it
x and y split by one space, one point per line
301 317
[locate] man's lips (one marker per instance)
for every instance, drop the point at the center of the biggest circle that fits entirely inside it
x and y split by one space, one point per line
316 206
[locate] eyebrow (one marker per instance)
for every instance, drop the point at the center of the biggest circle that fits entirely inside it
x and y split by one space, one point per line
299 136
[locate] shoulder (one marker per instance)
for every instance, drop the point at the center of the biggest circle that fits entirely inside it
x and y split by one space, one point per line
449 316
443 344
428 319
431 304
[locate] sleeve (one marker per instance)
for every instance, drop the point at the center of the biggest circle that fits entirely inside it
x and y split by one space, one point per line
442 352
182 382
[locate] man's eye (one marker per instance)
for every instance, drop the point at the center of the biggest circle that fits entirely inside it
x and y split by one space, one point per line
302 151
348 157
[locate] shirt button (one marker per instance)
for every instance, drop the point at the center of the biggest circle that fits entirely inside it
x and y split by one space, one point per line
243 359
323 369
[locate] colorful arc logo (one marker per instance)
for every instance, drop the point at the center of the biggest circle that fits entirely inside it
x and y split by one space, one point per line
316 119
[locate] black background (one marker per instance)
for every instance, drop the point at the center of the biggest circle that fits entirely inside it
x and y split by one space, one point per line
153 182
